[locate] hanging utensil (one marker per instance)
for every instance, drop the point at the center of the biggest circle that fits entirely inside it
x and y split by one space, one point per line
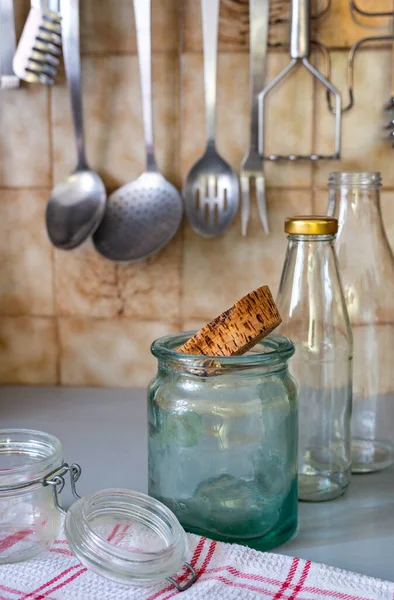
251 167
299 52
37 56
142 216
211 190
76 205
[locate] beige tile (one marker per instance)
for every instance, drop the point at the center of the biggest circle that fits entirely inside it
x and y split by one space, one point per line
320 202
340 28
233 25
89 285
28 350
112 104
24 145
25 254
363 144
219 271
288 116
113 353
193 324
108 27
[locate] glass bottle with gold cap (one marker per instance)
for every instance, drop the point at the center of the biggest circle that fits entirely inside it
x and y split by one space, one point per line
315 318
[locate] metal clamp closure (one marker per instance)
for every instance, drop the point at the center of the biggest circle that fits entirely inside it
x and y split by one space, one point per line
185 586
56 479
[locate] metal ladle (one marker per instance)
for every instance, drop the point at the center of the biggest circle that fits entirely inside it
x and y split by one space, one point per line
76 205
142 216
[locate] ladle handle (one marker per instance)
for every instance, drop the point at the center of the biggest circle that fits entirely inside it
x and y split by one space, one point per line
142 15
72 64
210 28
300 32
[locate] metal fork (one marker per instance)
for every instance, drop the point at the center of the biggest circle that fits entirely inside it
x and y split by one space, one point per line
252 165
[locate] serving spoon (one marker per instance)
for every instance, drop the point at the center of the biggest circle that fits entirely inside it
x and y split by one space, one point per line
76 205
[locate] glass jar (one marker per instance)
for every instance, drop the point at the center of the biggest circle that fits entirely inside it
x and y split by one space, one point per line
121 535
367 272
314 315
29 521
223 441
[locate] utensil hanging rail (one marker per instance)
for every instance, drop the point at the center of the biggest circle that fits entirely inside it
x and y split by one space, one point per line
366 13
350 68
324 9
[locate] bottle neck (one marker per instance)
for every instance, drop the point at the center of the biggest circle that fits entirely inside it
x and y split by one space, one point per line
308 257
325 239
310 298
358 211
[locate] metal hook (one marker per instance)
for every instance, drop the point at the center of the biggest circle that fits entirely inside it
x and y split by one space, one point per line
75 473
58 481
350 69
57 484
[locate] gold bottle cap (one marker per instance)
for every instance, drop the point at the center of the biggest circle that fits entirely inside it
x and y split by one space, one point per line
306 225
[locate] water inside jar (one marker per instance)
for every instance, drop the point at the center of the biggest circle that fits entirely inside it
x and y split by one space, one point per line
225 468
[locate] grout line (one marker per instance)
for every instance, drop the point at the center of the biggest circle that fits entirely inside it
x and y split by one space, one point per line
314 139
50 135
178 159
136 318
36 188
283 188
53 259
234 50
58 353
106 54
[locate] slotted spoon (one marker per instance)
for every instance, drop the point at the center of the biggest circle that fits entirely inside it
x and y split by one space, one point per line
211 190
142 216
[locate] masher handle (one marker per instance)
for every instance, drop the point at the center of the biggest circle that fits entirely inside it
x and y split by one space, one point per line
300 33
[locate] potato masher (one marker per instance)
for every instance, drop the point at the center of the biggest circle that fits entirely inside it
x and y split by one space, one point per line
299 52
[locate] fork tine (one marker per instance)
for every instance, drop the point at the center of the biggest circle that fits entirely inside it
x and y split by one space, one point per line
245 204
261 202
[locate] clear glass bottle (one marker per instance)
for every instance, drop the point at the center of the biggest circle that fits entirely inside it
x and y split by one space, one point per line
314 315
367 274
223 441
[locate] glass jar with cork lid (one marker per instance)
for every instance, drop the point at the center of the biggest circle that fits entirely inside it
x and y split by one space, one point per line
223 441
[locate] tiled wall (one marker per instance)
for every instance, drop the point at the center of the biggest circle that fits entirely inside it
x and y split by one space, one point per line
76 319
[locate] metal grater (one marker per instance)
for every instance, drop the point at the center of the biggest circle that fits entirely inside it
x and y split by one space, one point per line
37 56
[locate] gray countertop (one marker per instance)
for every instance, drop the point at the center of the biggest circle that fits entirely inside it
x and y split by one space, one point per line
105 431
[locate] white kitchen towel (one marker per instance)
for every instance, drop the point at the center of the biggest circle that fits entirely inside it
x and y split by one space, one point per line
224 572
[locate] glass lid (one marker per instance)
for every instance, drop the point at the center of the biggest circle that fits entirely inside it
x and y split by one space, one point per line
127 537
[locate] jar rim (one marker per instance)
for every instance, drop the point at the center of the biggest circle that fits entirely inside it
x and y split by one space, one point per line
355 178
270 349
132 566
42 452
